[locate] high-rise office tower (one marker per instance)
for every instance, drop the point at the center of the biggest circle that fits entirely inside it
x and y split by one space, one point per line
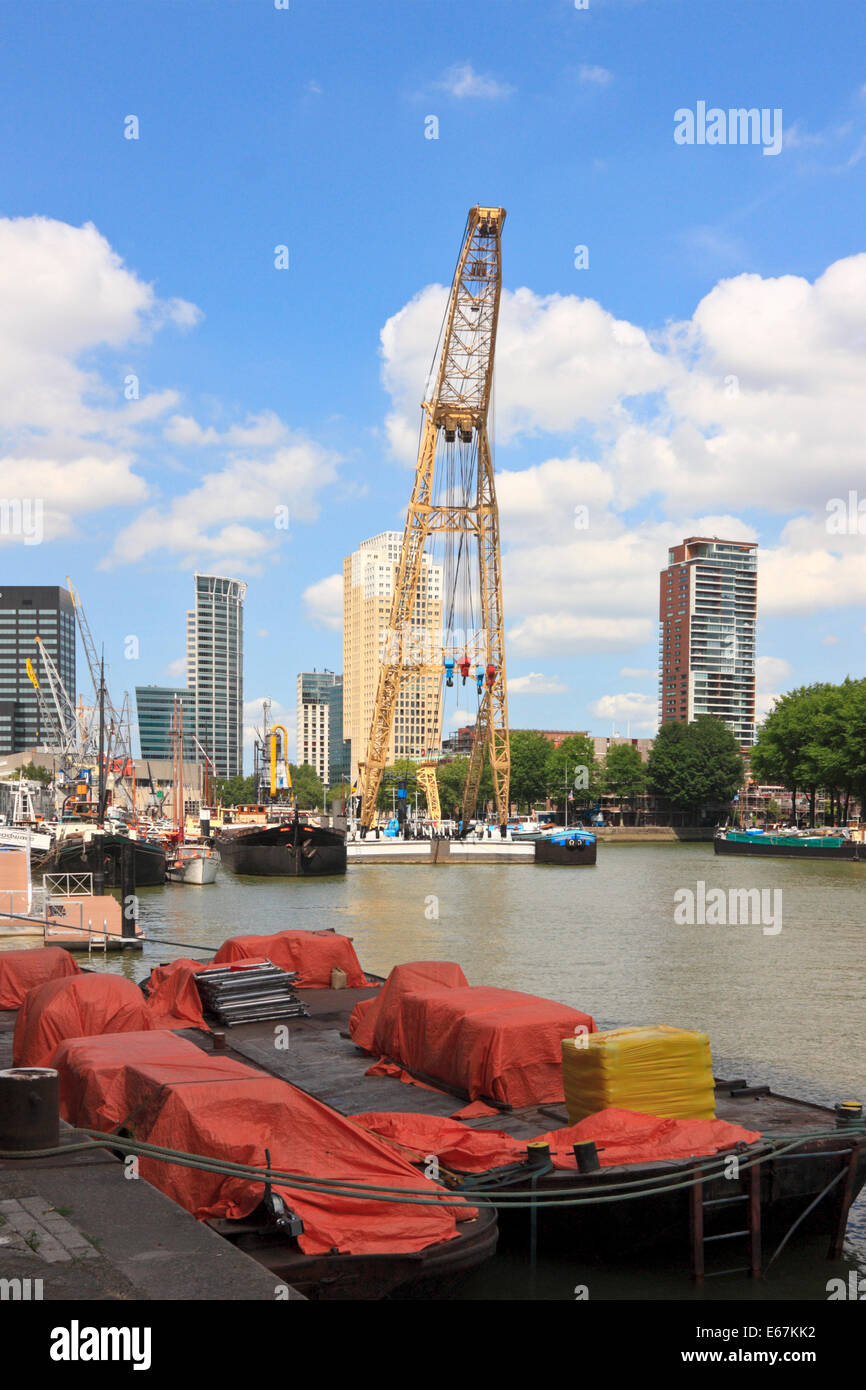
368 586
320 726
707 611
215 669
25 613
155 706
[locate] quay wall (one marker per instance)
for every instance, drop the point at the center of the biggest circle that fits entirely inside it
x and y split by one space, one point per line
653 834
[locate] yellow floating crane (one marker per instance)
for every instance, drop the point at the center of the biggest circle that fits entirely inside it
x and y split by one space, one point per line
454 493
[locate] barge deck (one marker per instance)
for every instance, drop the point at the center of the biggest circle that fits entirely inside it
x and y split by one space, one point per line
322 1060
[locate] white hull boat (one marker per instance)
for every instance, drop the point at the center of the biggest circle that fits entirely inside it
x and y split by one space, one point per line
193 864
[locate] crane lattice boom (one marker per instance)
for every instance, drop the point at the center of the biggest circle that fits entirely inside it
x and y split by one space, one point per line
455 430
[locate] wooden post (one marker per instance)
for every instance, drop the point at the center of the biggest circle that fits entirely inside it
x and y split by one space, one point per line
755 1220
696 1227
837 1240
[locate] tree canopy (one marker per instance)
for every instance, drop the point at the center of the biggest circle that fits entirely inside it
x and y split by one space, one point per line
814 739
695 764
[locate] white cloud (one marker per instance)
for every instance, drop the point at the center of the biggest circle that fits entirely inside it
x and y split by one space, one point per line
636 710
458 719
260 431
233 518
462 80
69 433
535 684
771 671
595 76
324 602
560 360
772 677
758 397
548 633
176 669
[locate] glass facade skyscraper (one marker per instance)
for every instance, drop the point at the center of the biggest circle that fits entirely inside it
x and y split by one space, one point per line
25 613
154 706
215 669
320 726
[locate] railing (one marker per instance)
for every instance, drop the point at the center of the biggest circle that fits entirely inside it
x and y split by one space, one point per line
68 885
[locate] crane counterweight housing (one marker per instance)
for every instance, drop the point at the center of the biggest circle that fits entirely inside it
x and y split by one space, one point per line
454 496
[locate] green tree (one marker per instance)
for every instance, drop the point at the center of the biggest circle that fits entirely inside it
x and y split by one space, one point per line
695 765
624 774
402 773
791 743
307 788
572 766
531 772
236 791
32 773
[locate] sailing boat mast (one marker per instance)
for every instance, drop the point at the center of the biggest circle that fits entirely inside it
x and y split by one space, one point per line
100 805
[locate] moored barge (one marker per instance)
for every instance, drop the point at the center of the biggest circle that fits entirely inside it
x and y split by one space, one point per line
291 849
788 845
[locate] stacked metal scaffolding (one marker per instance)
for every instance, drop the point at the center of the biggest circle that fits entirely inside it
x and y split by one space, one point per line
245 993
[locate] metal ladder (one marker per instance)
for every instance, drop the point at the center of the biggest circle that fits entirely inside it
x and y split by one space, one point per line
751 1231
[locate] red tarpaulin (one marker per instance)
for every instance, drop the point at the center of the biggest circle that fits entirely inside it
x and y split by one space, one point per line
78 1006
21 971
172 997
622 1136
188 1100
497 1043
312 954
403 979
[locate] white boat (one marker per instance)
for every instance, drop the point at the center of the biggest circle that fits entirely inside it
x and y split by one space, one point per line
192 864
23 837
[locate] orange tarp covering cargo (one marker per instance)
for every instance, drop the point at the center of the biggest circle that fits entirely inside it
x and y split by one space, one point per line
172 997
622 1136
79 1006
312 954
21 971
479 1040
364 1024
188 1100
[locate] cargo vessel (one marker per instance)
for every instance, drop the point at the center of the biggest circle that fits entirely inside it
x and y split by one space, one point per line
800 1176
74 854
293 849
789 844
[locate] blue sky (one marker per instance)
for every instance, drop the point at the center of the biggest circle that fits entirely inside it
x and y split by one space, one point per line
709 365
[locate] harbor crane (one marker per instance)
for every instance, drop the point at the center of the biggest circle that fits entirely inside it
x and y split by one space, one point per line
119 742
454 494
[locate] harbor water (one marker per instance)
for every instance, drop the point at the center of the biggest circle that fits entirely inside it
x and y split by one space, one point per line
781 997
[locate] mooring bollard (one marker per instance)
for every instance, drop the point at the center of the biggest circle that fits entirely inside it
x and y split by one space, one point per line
29 1109
586 1156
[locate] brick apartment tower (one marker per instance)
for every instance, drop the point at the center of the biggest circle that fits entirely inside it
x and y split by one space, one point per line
707 612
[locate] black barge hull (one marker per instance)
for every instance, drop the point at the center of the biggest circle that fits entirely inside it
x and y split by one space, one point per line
436 1272
77 858
573 854
277 852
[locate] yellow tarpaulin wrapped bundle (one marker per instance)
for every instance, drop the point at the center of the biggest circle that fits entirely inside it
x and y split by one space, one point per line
657 1071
